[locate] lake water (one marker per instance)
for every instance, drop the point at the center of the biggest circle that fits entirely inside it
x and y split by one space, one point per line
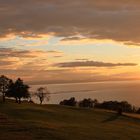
103 91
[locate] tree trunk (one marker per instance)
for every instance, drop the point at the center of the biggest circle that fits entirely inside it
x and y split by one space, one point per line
40 101
16 99
3 97
120 111
19 100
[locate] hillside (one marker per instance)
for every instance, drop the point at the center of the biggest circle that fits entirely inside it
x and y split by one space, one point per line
54 122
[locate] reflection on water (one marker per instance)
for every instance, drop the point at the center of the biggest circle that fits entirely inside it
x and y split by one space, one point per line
120 90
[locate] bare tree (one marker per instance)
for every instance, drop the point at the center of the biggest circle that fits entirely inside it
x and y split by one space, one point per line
42 93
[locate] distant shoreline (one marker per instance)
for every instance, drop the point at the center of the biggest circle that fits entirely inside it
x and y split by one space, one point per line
82 82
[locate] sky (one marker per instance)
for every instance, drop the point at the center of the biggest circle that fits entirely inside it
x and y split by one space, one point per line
62 41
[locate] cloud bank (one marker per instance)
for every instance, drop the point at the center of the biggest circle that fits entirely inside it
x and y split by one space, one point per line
92 64
105 19
25 59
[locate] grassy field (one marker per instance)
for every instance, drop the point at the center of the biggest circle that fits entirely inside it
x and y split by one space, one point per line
53 122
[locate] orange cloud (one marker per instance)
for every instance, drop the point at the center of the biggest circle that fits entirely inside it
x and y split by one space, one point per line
25 59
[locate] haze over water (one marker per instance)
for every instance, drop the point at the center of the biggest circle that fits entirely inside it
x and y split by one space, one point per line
103 91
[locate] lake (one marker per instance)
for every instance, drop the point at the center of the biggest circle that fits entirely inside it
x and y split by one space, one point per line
103 91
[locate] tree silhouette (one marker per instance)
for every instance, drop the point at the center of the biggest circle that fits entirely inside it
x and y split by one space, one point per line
70 102
18 90
42 93
11 91
87 103
4 85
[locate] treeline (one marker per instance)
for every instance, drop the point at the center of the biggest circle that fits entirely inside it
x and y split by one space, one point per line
19 90
122 106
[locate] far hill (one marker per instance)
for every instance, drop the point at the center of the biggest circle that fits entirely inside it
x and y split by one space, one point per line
54 122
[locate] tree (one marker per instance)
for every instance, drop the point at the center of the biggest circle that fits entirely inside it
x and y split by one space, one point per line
138 111
87 103
42 93
18 90
4 85
120 107
11 91
120 111
70 102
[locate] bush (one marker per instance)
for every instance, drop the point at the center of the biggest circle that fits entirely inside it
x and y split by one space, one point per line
115 105
70 102
86 103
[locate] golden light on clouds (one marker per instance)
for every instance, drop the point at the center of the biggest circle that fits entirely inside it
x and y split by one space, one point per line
79 39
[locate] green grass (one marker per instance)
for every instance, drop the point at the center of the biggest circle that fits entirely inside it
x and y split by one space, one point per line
54 122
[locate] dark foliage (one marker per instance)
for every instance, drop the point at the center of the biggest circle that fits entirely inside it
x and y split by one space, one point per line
116 106
138 111
119 107
18 90
87 103
70 102
4 85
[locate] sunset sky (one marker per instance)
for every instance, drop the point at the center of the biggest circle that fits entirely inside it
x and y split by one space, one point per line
70 40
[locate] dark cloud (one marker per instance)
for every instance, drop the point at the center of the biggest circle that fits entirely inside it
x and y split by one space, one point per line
25 59
54 52
71 38
92 64
6 62
105 19
9 52
58 56
82 59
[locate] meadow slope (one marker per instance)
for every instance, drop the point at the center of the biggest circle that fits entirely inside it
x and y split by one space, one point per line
54 122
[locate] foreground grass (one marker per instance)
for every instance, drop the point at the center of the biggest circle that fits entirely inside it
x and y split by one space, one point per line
54 122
